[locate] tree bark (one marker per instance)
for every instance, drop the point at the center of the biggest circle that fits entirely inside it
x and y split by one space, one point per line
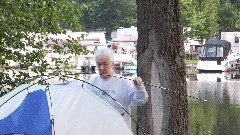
108 34
160 54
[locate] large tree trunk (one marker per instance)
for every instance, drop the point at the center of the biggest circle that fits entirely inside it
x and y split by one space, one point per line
160 52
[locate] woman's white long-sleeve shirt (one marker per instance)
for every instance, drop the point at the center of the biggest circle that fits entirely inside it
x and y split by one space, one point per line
122 90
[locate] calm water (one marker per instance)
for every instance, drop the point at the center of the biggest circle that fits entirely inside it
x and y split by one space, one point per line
220 115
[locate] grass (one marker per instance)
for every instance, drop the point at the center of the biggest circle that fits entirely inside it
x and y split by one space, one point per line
190 70
191 62
134 115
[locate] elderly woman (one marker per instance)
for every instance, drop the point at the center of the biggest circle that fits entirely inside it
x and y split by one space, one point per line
127 93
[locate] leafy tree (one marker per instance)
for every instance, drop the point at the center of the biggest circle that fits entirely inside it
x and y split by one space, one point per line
24 26
229 16
108 15
201 17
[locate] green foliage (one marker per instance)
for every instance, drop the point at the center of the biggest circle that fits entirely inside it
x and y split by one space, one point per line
229 17
24 25
201 17
206 18
109 14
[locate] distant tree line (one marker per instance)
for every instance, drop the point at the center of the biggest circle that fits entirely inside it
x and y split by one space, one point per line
201 19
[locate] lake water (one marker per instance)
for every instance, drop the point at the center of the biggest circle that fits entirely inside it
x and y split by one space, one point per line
220 115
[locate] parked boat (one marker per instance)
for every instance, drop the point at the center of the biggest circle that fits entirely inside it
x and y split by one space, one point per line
216 56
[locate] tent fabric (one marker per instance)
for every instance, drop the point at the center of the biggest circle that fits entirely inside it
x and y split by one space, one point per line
31 117
75 110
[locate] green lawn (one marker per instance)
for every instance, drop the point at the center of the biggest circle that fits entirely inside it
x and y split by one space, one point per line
191 62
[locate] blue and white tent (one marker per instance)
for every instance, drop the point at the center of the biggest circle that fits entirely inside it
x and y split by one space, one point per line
63 109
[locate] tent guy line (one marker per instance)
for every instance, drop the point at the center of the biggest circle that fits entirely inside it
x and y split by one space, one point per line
31 110
71 76
17 94
25 89
112 99
47 89
177 92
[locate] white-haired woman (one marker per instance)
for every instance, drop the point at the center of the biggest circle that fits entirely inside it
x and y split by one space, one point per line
127 93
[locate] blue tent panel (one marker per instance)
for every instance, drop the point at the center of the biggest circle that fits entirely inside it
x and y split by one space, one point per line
31 117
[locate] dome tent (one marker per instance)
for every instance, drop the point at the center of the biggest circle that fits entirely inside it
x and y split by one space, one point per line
61 109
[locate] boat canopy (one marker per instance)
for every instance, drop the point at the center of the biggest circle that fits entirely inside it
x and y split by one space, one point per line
216 48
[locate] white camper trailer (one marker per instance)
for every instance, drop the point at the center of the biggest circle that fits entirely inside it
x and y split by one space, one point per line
233 38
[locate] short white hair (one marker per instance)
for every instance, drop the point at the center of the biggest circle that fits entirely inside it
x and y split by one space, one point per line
105 52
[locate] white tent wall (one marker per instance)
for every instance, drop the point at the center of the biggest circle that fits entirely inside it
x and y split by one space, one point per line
75 110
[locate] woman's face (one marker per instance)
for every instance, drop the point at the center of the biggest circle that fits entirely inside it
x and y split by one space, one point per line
104 66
